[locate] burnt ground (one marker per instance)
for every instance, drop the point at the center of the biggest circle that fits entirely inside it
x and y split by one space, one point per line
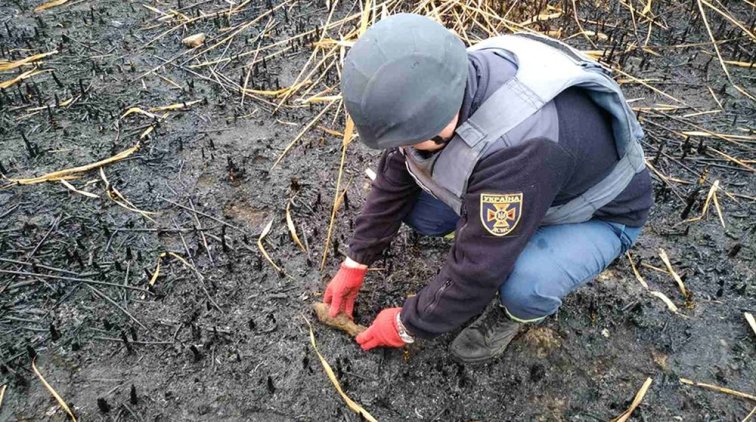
231 342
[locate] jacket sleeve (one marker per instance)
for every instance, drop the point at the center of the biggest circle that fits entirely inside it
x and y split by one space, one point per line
482 256
391 198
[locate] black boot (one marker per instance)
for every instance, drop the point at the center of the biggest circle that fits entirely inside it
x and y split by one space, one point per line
485 338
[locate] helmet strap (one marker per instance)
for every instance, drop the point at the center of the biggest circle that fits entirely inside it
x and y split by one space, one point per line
438 140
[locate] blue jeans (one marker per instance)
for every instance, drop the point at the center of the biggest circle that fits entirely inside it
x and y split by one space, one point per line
557 259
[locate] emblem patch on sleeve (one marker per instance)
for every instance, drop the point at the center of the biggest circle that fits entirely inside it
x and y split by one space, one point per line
500 213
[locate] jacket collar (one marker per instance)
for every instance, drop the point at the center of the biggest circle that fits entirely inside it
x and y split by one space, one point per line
477 83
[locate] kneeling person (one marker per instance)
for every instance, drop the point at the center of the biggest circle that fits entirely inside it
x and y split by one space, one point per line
522 147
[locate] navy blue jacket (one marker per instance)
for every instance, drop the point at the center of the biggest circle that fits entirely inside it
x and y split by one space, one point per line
546 172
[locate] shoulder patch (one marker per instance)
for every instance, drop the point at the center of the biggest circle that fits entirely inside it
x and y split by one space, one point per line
500 213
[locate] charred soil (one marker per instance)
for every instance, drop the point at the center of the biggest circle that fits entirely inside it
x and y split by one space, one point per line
149 298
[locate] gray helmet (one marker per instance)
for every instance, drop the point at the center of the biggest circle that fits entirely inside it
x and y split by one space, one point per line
404 80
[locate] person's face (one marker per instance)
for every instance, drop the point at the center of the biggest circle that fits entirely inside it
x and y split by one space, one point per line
445 134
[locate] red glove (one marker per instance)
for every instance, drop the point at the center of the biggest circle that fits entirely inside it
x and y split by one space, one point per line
343 288
383 332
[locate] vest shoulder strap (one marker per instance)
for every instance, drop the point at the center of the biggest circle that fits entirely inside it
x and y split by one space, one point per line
545 68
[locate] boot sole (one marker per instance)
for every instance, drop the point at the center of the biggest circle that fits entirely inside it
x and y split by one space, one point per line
460 359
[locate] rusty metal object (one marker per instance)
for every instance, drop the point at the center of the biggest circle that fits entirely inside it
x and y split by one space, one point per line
341 321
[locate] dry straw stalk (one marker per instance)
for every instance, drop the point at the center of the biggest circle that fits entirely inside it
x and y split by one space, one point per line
331 376
52 391
636 402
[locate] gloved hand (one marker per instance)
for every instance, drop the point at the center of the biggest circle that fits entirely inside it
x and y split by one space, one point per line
382 332
343 288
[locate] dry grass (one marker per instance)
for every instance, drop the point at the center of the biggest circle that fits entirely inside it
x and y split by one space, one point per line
52 391
719 389
72 173
636 401
354 406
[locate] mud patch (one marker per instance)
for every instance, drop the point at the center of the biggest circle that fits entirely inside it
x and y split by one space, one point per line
244 213
542 340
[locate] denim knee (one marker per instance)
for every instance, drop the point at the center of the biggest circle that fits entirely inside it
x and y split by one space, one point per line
427 227
627 235
431 217
524 301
